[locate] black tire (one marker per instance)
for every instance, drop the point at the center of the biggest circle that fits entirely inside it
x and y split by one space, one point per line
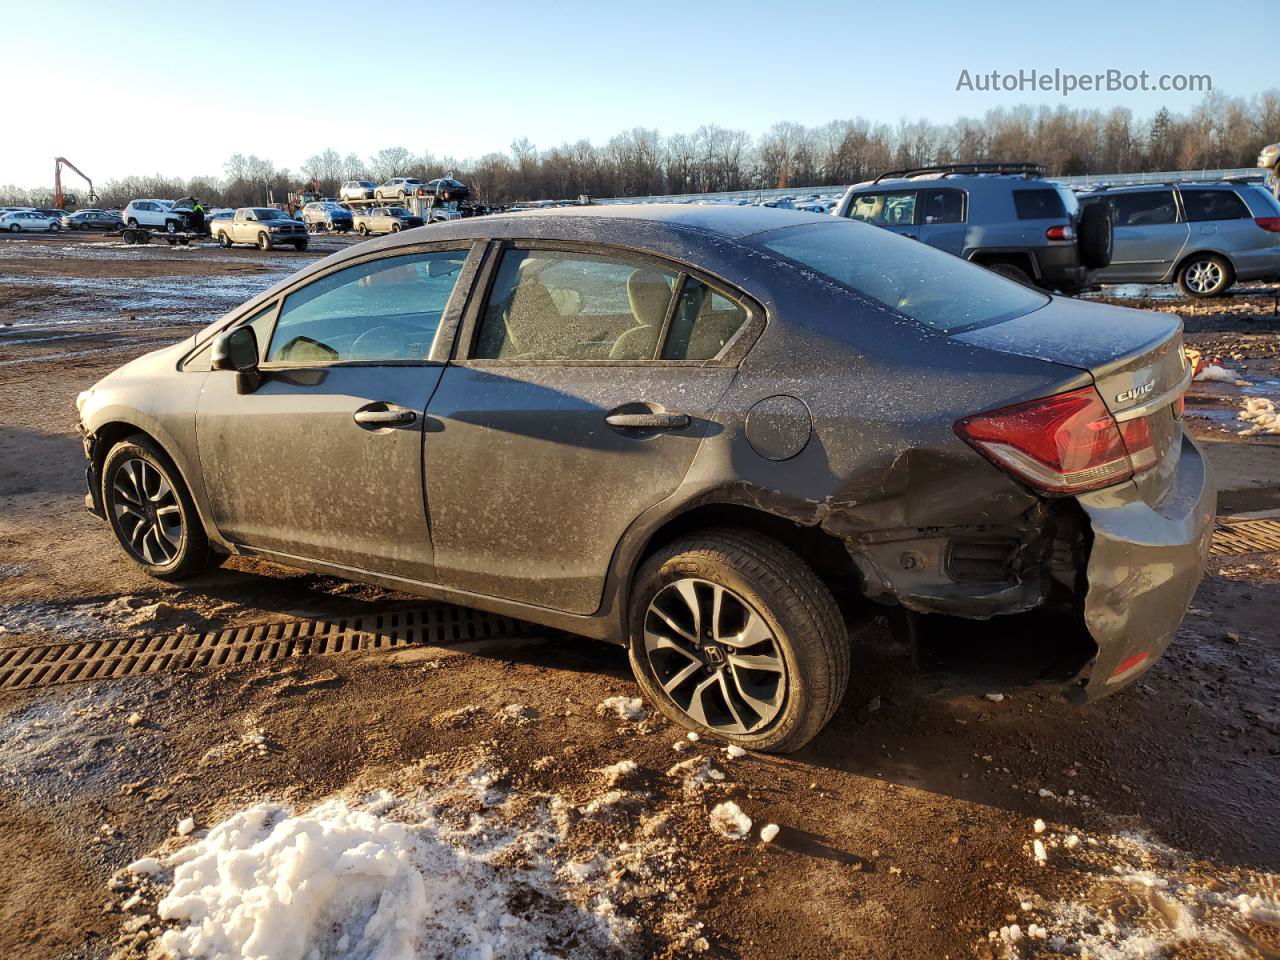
190 554
171 240
395 228
15 228
224 239
806 634
184 241
400 196
300 245
171 226
363 229
54 227
133 221
1205 275
1012 272
264 241
1097 236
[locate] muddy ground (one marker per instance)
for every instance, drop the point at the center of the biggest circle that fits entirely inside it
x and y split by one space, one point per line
907 829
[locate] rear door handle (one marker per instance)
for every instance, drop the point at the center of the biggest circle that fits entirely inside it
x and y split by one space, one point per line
382 414
648 421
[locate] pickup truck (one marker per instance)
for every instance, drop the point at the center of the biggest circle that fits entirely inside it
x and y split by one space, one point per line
266 227
385 220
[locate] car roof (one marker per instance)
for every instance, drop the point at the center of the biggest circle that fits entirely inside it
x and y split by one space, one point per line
731 222
1181 184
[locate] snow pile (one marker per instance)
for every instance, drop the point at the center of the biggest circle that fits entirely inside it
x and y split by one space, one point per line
625 708
1127 897
728 820
1260 412
1217 373
455 863
343 881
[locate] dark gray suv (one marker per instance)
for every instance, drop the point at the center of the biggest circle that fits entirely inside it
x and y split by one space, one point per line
1003 216
718 435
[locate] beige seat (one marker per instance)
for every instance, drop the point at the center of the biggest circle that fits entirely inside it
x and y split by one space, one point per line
531 319
649 295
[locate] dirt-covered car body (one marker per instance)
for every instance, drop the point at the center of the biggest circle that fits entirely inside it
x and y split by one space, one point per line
462 456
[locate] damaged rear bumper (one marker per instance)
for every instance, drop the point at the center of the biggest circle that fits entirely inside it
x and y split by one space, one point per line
1144 566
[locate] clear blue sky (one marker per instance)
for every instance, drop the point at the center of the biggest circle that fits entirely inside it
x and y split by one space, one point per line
371 75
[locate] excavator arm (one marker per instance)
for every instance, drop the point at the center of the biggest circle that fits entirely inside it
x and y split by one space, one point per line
58 164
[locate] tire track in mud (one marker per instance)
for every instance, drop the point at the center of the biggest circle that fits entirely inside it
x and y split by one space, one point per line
58 663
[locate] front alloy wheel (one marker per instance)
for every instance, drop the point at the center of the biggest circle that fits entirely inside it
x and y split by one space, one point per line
714 656
150 511
146 510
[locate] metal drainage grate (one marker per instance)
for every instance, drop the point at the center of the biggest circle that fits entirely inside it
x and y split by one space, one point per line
1245 536
54 663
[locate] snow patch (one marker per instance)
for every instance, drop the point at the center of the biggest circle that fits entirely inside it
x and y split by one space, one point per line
727 819
624 708
1260 412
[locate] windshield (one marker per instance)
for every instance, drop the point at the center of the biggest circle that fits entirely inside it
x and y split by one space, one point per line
925 284
270 213
398 212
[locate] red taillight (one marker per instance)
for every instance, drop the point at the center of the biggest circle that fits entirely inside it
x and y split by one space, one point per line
1069 443
1270 224
1061 232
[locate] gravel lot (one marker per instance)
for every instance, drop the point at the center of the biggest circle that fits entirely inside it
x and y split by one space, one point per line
507 794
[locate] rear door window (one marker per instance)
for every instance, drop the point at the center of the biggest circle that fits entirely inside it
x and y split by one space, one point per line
942 206
1204 205
1039 204
561 305
385 309
1144 209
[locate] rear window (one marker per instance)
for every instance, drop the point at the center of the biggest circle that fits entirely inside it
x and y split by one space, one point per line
1214 205
1041 204
919 281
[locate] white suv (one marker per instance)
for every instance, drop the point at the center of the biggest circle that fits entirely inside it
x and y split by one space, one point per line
151 213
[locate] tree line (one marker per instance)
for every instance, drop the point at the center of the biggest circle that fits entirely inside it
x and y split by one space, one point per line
1221 131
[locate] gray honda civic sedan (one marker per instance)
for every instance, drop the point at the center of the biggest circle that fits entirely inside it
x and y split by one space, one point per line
717 435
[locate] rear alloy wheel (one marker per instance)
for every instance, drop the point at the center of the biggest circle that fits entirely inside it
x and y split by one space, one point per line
733 635
151 513
224 239
14 228
1204 276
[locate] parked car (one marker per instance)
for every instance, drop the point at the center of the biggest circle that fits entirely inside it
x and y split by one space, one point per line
328 215
358 190
154 213
401 188
91 220
265 227
385 220
712 434
51 212
17 221
1002 216
1202 236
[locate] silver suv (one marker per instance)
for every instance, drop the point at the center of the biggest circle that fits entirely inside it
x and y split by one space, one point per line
1203 236
1004 216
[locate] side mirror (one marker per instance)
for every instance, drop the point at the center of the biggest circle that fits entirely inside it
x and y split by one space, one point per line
238 350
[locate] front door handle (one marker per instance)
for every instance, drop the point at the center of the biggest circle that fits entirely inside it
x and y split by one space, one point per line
648 421
383 415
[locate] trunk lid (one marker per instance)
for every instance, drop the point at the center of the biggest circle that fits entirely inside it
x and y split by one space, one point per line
1135 358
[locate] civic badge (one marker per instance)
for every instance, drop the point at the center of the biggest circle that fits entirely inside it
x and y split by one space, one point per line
1136 392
